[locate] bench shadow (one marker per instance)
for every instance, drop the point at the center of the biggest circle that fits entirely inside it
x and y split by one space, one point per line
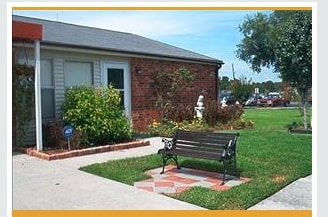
210 166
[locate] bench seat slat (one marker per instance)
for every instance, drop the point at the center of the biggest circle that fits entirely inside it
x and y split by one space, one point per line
200 148
202 144
196 135
204 138
190 153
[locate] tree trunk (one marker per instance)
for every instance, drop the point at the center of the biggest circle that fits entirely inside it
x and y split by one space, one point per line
305 109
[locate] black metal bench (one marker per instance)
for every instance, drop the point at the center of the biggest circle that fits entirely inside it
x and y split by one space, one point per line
205 145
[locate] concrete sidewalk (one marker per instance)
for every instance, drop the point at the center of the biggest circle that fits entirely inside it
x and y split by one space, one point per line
58 184
295 196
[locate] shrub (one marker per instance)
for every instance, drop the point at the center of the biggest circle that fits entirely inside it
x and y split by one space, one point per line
97 114
54 138
211 113
181 113
214 114
168 128
230 113
238 124
164 128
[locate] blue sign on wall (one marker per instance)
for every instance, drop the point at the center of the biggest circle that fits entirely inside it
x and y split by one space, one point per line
68 131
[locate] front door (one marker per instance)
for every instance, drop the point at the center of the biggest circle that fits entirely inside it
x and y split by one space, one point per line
118 75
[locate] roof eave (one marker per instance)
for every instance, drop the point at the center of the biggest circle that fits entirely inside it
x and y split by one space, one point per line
208 61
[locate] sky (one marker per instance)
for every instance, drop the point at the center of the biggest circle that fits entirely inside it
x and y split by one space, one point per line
213 33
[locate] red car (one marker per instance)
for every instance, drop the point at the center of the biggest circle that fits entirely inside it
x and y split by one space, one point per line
273 100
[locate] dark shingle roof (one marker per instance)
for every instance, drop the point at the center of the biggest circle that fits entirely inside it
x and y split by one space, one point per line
59 33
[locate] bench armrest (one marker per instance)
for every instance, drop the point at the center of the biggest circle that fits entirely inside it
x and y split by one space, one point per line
229 151
168 143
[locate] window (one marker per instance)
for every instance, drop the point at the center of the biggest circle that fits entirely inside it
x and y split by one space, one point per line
78 73
47 86
117 74
116 78
47 90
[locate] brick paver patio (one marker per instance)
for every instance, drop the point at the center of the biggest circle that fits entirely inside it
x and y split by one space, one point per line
176 181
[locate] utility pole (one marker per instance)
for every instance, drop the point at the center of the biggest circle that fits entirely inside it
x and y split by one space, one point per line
233 72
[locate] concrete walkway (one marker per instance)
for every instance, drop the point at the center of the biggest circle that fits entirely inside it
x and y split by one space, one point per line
296 196
58 184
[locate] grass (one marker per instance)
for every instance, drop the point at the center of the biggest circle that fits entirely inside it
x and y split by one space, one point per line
268 154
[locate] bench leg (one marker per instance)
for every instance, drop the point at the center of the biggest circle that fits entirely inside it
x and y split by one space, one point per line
175 158
224 172
166 157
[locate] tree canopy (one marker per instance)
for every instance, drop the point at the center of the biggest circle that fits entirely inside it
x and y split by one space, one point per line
277 40
281 40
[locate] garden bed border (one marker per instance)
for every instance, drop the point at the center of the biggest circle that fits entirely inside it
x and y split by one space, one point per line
81 152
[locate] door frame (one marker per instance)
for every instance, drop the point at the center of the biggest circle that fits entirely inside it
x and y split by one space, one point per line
125 65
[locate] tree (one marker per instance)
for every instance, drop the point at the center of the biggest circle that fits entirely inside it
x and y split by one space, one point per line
224 83
294 55
256 48
283 41
242 89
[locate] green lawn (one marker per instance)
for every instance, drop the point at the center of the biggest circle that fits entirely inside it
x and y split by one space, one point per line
267 154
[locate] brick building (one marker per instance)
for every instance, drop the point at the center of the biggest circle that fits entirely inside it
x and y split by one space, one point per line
73 55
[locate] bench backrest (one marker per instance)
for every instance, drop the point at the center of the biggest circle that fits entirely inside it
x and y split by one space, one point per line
206 144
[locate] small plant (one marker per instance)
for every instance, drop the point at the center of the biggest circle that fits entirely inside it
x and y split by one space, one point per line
296 125
164 128
239 124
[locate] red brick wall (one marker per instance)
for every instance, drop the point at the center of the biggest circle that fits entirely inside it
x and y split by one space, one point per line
143 93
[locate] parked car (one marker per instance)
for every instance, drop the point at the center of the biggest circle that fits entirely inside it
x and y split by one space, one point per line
252 101
273 99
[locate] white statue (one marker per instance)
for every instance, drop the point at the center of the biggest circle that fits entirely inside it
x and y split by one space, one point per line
200 101
200 107
224 102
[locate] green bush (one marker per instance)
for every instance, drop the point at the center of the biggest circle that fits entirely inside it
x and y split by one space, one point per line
97 114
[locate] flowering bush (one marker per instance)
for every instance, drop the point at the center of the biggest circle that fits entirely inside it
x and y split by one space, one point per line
168 128
239 123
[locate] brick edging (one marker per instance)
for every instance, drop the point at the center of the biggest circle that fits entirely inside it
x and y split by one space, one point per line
82 152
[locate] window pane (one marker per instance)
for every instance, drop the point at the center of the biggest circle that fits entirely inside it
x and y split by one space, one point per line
78 73
46 73
122 98
115 77
48 103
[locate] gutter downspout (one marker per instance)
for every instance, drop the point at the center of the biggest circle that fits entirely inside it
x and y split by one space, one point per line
219 66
